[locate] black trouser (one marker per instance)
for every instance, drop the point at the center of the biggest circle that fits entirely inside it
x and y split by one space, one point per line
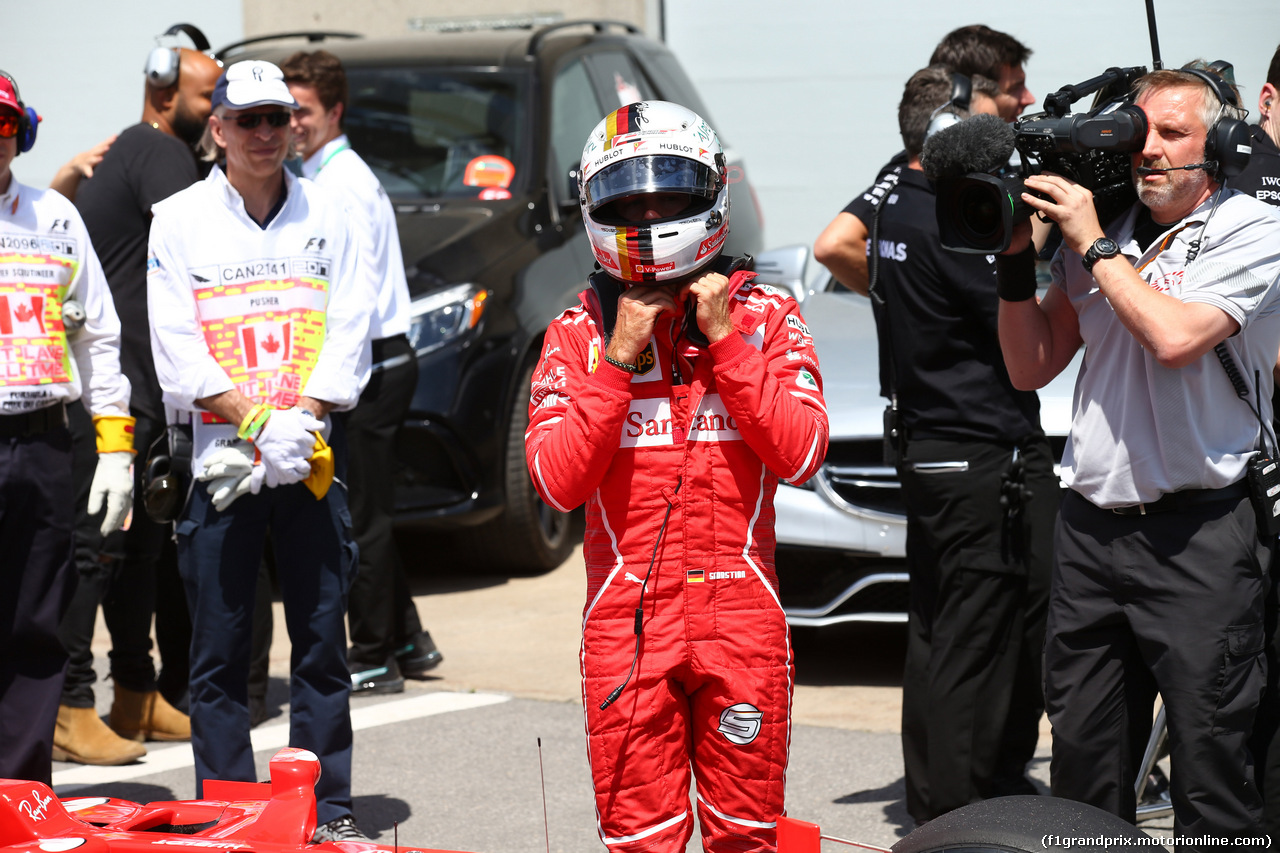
36 582
972 702
120 573
1169 602
381 613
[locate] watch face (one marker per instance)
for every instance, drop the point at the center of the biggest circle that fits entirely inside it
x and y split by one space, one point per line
1105 247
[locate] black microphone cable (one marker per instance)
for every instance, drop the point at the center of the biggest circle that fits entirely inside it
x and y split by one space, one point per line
639 626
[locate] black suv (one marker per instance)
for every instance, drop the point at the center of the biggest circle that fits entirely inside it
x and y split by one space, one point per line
476 136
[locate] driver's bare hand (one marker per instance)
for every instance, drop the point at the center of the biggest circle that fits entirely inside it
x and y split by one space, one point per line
712 292
1072 208
638 310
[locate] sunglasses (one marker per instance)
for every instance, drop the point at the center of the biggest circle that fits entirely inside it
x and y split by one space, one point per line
9 124
252 120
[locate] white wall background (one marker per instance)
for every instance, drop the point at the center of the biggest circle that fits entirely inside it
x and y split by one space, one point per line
807 90
79 63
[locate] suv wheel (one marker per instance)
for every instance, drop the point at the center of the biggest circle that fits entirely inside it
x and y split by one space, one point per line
530 536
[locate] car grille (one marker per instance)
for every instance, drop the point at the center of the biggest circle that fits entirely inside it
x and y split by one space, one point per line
855 472
822 587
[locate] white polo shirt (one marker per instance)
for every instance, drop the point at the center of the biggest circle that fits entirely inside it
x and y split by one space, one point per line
1140 430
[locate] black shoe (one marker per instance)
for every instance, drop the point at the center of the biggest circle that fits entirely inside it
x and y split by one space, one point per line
418 656
341 829
373 680
257 711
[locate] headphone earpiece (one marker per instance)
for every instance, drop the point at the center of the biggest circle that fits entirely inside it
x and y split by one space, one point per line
1229 142
28 118
162 67
961 94
27 130
162 63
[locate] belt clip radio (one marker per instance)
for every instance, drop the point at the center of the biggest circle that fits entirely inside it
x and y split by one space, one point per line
1264 493
893 433
1262 471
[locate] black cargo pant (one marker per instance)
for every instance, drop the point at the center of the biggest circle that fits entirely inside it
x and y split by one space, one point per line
122 573
971 699
1169 602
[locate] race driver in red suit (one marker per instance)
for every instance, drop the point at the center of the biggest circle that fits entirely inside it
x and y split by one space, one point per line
670 402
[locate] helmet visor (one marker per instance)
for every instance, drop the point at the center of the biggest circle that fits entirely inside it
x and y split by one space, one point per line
659 173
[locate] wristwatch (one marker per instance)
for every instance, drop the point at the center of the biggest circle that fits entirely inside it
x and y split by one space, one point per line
1103 247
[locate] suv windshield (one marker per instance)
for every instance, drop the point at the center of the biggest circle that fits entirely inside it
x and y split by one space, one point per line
438 132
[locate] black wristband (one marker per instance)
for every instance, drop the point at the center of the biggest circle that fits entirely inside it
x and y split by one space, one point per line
622 365
1016 275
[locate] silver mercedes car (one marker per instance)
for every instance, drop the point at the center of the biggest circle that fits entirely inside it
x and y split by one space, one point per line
842 535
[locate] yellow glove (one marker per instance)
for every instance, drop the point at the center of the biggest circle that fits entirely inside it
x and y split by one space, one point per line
321 476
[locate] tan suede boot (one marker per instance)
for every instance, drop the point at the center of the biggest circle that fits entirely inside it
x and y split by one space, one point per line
147 716
81 736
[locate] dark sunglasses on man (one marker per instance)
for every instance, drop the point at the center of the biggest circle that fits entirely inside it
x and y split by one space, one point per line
9 124
249 121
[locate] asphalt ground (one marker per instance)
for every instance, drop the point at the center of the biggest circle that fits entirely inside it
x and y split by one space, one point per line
472 757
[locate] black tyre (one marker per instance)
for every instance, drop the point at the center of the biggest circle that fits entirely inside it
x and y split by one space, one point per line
1032 824
530 537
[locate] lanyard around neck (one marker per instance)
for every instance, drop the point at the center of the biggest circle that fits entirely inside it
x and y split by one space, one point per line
334 153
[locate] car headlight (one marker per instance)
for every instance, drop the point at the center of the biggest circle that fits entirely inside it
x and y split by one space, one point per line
444 316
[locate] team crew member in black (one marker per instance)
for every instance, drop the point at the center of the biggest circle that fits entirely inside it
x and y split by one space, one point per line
147 163
979 569
1261 178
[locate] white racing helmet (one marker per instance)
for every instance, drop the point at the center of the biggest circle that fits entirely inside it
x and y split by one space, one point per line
654 147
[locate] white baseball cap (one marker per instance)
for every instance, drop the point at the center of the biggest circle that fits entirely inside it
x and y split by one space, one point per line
252 83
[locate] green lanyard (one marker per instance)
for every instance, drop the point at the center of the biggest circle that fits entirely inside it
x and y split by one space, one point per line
334 153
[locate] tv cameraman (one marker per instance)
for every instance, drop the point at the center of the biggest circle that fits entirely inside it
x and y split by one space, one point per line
1160 570
972 702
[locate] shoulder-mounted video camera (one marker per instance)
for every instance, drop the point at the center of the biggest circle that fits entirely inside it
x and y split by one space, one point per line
980 194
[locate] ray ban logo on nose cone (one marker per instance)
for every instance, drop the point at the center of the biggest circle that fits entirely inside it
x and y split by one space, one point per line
740 723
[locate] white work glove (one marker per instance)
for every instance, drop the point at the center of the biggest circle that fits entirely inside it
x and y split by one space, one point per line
286 444
230 473
112 485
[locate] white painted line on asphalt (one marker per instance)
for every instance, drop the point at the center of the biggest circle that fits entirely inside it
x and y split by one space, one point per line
276 737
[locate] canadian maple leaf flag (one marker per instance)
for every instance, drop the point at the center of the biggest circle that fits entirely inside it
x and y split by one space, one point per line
265 345
21 314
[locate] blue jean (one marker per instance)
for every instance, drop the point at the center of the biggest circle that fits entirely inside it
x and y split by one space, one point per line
316 557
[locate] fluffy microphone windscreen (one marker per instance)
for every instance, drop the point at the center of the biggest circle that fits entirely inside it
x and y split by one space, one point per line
977 144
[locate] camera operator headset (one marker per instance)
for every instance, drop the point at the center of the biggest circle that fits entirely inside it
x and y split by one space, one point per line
163 62
1227 144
